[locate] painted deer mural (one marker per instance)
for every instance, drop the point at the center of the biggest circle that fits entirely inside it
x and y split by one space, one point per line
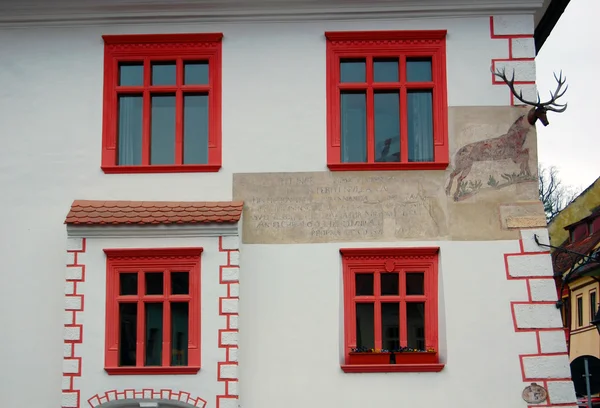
510 144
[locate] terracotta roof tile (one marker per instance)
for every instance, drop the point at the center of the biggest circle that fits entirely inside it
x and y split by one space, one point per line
563 261
92 212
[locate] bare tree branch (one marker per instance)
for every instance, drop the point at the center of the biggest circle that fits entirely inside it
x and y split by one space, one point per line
553 193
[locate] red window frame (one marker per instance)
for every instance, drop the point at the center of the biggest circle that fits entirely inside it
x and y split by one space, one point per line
140 260
380 261
400 44
148 48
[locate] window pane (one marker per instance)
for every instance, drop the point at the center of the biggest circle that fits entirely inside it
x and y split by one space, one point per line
579 311
420 126
353 70
418 70
195 73
195 129
154 283
154 333
162 149
127 333
415 283
385 70
130 130
390 326
593 305
353 118
179 333
163 73
131 74
364 284
128 283
180 283
365 325
387 127
389 283
415 325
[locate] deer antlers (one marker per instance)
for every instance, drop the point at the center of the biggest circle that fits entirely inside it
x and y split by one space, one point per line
550 105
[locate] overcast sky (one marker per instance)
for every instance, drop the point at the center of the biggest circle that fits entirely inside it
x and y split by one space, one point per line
571 140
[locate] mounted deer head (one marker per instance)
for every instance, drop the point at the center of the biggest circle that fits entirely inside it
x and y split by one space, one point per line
539 109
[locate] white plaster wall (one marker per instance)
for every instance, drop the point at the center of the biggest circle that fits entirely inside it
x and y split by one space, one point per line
273 120
94 379
291 335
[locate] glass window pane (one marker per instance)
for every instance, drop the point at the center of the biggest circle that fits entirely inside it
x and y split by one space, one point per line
130 130
179 333
389 283
353 116
390 326
420 126
128 283
195 73
127 333
154 283
385 70
131 74
162 139
180 283
387 127
353 70
593 305
195 129
415 283
154 334
415 325
164 73
365 325
418 70
579 311
364 284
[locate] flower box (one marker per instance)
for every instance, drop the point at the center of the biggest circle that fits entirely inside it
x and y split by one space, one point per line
405 357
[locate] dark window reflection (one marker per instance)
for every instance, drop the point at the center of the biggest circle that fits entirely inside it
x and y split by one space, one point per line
415 283
128 283
179 333
364 284
365 325
415 316
154 333
127 333
154 283
389 284
390 325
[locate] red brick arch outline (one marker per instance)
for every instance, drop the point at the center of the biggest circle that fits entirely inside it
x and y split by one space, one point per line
146 393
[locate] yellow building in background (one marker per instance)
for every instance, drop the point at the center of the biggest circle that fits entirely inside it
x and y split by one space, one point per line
577 229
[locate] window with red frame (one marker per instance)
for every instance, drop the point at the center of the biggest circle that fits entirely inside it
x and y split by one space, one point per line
153 311
390 308
162 103
387 104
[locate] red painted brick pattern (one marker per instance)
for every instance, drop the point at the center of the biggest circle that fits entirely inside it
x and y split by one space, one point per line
88 212
73 331
146 393
227 371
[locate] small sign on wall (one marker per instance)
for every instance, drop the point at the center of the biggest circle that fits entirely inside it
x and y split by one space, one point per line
535 394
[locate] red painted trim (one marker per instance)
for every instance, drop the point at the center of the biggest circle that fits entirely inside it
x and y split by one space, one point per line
528 279
393 368
75 275
151 370
146 393
400 44
147 48
400 260
229 327
160 259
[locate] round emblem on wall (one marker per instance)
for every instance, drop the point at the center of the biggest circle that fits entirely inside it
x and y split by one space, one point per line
389 265
535 394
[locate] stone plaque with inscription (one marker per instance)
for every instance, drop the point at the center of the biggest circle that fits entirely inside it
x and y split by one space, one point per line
328 207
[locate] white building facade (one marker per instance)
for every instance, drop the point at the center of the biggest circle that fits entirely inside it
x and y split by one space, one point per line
273 203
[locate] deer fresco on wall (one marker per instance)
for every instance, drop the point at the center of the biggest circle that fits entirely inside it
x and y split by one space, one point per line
509 145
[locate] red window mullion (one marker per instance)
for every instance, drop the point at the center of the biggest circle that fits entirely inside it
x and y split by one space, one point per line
179 113
146 109
370 120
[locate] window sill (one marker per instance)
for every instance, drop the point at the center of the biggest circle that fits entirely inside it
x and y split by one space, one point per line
186 168
387 166
151 370
392 368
